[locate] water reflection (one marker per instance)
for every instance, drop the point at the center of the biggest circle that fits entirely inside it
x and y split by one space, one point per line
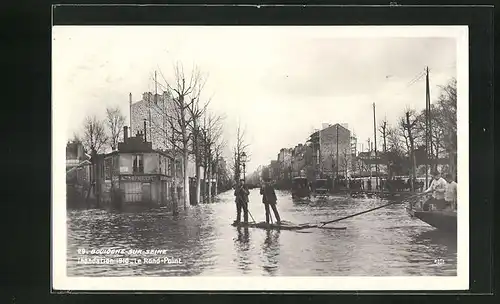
242 248
271 251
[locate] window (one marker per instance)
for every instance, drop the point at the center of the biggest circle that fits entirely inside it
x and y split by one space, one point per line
138 166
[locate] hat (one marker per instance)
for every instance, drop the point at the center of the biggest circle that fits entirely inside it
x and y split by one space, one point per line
434 173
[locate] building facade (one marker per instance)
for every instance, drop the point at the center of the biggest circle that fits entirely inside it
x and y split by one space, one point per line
285 163
142 175
331 150
151 109
301 159
274 170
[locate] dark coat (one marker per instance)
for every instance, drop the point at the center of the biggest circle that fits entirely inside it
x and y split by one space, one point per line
268 195
241 194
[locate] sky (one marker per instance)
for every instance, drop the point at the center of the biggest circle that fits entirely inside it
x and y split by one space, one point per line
279 83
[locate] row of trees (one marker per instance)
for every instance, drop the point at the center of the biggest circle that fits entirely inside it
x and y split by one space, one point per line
407 140
189 129
98 135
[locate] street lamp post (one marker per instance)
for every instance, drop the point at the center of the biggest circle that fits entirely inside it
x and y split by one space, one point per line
243 160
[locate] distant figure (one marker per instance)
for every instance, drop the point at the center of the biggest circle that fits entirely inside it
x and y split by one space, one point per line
369 184
438 188
450 195
241 193
269 199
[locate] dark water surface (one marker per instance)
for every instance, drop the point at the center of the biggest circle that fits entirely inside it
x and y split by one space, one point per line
200 241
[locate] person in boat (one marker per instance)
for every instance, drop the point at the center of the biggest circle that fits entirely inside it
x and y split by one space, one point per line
269 199
438 188
450 195
241 193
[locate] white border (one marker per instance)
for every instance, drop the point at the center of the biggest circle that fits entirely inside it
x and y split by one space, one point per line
61 281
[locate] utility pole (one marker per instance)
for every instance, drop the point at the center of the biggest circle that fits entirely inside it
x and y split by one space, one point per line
337 152
130 113
427 127
412 149
375 144
429 116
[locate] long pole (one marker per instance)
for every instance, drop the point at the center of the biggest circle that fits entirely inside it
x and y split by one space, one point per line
428 100
375 144
337 152
426 130
369 210
370 158
130 113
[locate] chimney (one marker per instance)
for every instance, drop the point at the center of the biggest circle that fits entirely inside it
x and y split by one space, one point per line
145 126
125 134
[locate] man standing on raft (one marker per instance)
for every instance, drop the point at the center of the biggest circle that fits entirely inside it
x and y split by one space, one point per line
269 199
241 193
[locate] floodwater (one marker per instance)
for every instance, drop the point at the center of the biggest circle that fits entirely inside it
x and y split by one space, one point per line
201 241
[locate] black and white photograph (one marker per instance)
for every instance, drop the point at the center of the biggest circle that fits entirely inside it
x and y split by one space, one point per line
260 157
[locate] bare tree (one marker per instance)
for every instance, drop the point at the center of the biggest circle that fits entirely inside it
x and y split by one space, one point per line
196 112
185 93
383 131
94 139
409 126
94 134
219 172
212 133
115 121
445 119
394 140
345 162
240 147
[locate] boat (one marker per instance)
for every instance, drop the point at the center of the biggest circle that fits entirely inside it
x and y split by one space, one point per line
444 220
285 225
300 188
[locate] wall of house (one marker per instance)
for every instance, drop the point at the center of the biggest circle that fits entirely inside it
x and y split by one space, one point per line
154 163
328 148
140 110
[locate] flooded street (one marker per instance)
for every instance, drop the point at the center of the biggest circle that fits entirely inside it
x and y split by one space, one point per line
385 242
